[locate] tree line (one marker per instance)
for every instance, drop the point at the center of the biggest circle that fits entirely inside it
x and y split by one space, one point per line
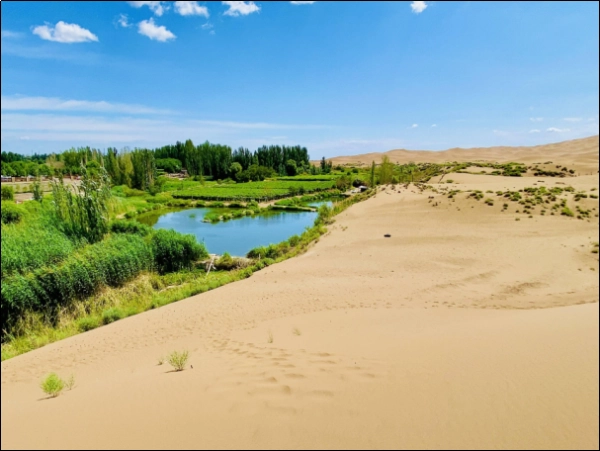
139 168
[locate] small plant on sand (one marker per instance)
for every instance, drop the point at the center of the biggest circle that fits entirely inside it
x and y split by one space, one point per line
490 202
517 219
296 332
161 361
53 385
566 211
70 384
270 338
178 360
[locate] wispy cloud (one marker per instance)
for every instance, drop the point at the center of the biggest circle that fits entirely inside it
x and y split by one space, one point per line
536 119
573 119
557 130
123 21
241 8
19 103
191 9
156 7
414 126
7 34
418 7
302 3
535 130
105 131
65 33
155 32
433 125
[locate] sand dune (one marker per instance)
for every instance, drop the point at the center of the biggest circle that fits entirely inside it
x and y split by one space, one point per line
581 154
465 329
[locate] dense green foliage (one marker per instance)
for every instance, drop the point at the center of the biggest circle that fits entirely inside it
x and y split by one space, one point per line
11 213
132 227
174 251
8 193
29 246
109 263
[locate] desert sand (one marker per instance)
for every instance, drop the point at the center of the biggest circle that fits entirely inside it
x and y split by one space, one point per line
464 329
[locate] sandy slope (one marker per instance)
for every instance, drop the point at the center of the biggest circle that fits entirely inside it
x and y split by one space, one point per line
579 154
465 329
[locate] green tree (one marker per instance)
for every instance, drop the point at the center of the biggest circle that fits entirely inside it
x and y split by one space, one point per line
82 211
235 170
386 171
291 168
372 178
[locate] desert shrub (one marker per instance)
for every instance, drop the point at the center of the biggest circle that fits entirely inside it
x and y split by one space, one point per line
132 227
53 385
8 193
174 251
178 360
11 212
566 211
111 315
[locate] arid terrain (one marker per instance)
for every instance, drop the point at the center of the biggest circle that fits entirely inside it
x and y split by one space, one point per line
471 326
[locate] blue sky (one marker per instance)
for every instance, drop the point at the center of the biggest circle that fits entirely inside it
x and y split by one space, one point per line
339 78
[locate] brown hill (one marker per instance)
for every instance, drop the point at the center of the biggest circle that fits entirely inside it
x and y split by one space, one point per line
581 154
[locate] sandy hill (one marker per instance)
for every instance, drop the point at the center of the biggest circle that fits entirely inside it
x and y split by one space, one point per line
473 326
581 154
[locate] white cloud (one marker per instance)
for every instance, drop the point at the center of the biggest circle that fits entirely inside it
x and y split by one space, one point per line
158 33
207 26
156 7
536 119
414 125
573 119
535 130
17 103
10 34
302 3
433 125
241 8
418 7
557 130
123 21
65 33
191 9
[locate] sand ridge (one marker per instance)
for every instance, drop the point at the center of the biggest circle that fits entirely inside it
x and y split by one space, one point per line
465 329
580 154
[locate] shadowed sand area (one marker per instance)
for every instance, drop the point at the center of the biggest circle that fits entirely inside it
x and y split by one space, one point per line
465 329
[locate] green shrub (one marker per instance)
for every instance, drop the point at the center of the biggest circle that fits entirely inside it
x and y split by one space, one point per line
31 245
8 193
178 360
88 323
566 211
294 240
109 263
226 262
111 315
11 212
53 385
174 251
132 227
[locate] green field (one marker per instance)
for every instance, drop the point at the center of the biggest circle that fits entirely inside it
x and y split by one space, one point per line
264 191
